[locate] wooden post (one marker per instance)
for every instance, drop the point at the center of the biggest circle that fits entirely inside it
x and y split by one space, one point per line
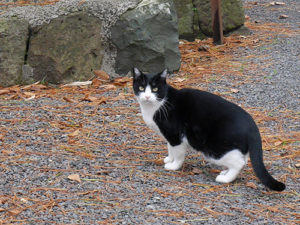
217 22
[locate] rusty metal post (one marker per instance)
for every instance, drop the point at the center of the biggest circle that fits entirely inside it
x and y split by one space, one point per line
217 22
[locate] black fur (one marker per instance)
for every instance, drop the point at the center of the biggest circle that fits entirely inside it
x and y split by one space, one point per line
210 123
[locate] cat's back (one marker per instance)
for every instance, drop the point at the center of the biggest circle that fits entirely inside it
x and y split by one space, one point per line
189 97
195 103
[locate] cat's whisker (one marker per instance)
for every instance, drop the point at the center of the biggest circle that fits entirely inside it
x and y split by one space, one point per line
164 109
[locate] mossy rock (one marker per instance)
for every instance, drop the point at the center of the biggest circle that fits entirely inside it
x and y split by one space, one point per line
67 49
232 14
195 18
13 39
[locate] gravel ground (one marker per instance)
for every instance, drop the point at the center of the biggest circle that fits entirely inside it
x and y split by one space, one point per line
45 140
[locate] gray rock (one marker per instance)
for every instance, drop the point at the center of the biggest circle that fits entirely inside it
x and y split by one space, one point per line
27 74
55 57
13 38
147 37
66 49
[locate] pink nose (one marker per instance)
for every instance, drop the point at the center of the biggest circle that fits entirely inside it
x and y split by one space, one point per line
147 97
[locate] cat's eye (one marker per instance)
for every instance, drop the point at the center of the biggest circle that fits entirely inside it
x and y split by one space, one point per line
155 89
141 88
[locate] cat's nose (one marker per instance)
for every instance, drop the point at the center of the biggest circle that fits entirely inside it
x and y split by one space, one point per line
147 97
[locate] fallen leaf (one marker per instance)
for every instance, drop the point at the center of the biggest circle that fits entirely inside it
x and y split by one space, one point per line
74 134
68 100
2 201
108 87
28 87
4 91
89 98
74 177
159 162
178 80
273 209
38 87
121 81
234 90
251 185
7 152
15 88
277 143
101 100
30 94
34 87
283 16
30 98
15 96
199 68
78 83
277 3
214 171
97 82
196 171
14 212
101 74
40 131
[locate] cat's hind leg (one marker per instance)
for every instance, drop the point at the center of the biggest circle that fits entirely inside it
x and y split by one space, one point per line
234 161
177 153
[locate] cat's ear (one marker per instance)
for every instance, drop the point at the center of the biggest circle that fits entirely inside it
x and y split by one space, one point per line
164 74
136 72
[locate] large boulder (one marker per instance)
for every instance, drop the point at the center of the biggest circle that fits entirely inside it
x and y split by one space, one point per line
232 14
147 37
66 49
71 38
13 39
186 16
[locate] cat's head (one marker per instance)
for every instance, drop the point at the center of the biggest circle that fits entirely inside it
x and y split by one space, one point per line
149 88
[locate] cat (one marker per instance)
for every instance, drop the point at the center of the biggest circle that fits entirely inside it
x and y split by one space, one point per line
189 118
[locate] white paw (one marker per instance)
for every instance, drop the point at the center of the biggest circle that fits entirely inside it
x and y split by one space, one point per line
223 179
227 176
168 159
173 166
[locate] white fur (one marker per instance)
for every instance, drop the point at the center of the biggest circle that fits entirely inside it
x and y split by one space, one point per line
137 72
234 161
149 105
176 155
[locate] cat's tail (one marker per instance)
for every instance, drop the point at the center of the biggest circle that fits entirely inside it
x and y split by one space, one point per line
256 156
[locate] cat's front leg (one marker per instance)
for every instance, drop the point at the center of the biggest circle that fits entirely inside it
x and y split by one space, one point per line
170 157
178 154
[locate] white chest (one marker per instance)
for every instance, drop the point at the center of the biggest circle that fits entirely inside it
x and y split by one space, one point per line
148 112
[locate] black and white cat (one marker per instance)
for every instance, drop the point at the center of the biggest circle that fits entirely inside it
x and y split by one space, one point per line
189 118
